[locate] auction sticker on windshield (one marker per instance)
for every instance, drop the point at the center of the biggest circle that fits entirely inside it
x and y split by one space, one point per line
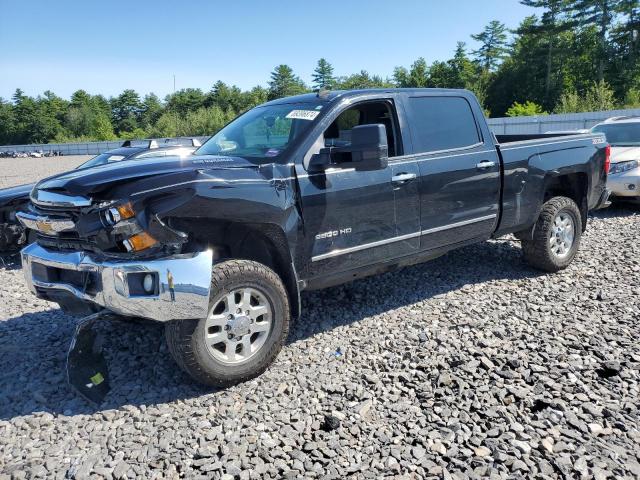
303 114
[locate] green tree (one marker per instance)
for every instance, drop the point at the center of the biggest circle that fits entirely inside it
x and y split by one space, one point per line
552 24
284 83
101 128
323 75
150 110
600 97
185 100
362 80
526 109
598 14
493 45
417 76
256 96
632 99
569 102
7 123
126 110
462 69
225 97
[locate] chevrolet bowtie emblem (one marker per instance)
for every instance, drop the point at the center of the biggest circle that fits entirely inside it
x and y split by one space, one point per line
44 227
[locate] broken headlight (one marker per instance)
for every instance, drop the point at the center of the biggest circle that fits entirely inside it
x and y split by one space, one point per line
119 212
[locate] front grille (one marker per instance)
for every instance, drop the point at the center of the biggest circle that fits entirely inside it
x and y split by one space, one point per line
66 241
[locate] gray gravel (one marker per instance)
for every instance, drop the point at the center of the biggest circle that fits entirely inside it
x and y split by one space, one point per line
18 171
470 366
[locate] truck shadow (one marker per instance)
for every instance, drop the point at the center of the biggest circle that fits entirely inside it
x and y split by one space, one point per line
33 346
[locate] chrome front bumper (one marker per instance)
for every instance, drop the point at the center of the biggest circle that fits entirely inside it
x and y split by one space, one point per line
112 284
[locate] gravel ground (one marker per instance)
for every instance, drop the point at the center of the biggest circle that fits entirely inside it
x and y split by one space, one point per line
470 366
18 171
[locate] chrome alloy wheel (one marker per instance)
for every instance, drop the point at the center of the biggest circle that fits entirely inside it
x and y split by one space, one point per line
238 325
562 235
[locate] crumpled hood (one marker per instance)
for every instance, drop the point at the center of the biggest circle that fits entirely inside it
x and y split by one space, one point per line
9 194
93 181
623 154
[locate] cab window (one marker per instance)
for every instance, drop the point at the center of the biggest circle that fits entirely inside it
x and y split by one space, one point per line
338 134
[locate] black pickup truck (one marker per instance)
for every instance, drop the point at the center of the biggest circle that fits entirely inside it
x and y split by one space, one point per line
301 193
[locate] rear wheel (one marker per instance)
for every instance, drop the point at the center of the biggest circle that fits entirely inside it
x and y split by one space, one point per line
247 325
556 236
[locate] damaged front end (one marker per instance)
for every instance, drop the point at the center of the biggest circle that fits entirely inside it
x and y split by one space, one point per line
119 255
12 234
115 229
102 259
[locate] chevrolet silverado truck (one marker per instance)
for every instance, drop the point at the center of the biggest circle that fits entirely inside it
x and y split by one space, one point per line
301 193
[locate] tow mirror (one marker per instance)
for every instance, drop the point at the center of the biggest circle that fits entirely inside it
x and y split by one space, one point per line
368 150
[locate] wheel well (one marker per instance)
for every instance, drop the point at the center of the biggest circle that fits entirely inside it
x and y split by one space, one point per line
574 186
263 243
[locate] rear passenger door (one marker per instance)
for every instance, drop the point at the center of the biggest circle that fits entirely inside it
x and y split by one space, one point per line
459 169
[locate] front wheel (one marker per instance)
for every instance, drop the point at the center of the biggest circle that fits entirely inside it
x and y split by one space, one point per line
247 324
556 236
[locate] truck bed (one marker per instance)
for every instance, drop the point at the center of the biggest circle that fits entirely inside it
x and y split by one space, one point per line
532 161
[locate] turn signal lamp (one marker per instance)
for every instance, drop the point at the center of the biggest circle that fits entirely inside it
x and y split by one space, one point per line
140 241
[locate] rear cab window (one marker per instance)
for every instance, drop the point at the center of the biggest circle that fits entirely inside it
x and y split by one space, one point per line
440 123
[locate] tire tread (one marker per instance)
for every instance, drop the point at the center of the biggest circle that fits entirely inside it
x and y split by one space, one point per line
536 251
180 334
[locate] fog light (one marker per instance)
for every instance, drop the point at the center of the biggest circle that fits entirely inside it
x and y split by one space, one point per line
148 283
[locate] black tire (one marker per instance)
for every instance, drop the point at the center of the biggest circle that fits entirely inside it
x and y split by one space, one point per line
537 252
186 338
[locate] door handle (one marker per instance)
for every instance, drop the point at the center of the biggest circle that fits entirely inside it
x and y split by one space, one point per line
403 177
485 164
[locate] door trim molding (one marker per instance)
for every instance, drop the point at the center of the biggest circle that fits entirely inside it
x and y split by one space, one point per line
364 246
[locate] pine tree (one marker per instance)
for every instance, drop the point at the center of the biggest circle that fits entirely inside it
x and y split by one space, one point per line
626 36
598 14
552 23
323 75
493 48
284 83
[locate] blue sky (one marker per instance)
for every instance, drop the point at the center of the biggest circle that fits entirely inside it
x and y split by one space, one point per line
105 47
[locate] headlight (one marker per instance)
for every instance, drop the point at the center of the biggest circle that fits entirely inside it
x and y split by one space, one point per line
139 241
121 212
623 166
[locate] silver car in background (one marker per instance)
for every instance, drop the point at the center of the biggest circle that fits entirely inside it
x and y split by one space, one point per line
623 134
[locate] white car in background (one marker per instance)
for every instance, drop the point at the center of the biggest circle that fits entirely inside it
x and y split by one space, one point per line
623 134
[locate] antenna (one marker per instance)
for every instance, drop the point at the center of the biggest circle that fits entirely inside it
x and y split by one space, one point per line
175 113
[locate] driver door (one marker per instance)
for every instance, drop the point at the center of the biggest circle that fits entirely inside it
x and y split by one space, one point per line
353 217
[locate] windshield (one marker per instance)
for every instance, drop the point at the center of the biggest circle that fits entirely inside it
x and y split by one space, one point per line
263 133
102 159
621 134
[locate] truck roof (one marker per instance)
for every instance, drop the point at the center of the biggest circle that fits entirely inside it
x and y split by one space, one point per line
330 95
